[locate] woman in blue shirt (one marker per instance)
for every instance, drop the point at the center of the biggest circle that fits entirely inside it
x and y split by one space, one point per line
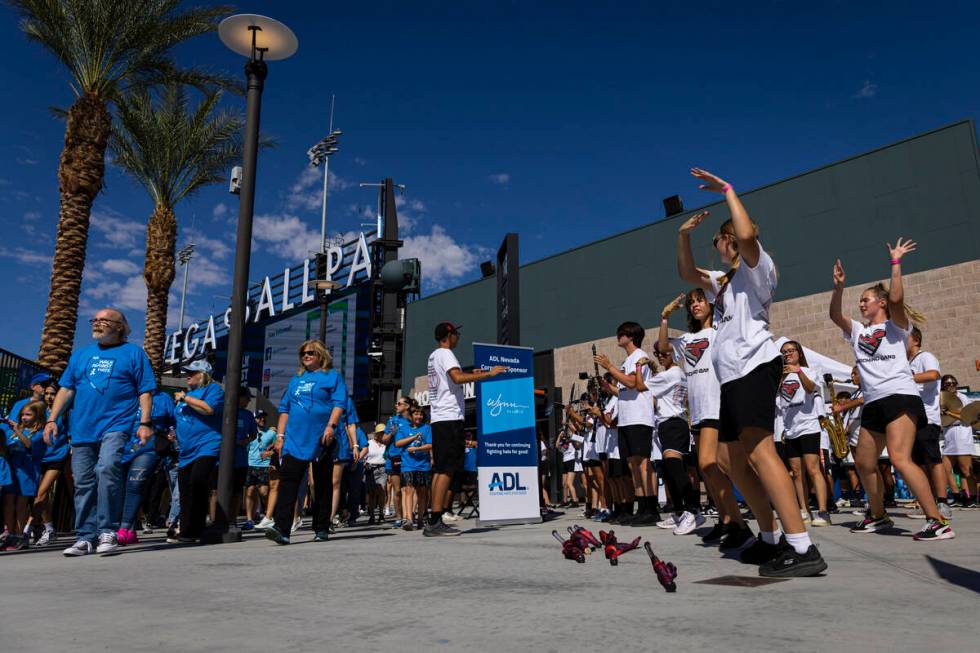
416 472
309 421
198 417
52 466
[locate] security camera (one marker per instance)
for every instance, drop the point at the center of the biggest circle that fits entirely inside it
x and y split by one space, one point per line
235 185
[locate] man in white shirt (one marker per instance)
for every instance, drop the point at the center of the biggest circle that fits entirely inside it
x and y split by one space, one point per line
926 452
446 381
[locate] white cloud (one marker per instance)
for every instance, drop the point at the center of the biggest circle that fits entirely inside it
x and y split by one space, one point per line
286 236
117 230
219 210
23 255
444 260
217 248
32 215
867 90
307 191
129 294
500 178
359 161
120 266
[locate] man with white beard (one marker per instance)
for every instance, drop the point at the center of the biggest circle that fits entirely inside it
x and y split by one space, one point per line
109 385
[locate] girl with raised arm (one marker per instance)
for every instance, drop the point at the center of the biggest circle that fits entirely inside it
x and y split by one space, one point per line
749 369
893 409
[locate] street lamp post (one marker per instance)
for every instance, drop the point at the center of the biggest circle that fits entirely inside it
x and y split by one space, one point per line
260 39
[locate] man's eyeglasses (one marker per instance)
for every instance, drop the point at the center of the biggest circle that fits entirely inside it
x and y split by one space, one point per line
102 320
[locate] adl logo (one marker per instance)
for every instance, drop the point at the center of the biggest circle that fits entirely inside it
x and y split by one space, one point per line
506 482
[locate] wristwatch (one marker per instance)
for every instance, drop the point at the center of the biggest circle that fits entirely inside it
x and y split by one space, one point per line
146 423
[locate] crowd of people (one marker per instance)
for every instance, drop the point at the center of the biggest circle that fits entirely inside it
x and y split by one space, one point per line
723 404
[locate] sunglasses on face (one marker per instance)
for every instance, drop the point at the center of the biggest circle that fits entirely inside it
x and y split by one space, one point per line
308 353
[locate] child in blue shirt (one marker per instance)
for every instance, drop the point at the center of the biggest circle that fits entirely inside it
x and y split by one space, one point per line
25 449
416 469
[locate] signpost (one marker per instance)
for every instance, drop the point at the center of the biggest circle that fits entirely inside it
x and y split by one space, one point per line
508 446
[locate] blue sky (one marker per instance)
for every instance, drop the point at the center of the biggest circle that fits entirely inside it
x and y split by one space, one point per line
562 121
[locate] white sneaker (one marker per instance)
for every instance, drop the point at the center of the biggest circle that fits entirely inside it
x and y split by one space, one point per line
389 512
669 523
805 515
945 510
447 517
688 523
46 536
296 525
79 548
107 543
822 519
265 523
916 514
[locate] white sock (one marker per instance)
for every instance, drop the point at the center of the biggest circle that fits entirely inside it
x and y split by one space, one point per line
799 541
49 526
771 537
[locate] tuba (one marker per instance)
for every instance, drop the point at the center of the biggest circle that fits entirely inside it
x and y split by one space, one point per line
834 425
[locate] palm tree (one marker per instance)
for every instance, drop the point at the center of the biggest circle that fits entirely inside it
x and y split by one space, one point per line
107 46
172 150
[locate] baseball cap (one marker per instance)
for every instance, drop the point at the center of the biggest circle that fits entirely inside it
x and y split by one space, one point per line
41 377
261 413
200 365
443 329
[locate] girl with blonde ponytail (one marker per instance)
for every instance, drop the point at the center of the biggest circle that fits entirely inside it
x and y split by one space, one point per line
893 410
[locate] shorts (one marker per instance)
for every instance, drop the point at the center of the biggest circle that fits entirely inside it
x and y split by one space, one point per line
750 401
877 415
706 424
781 451
377 477
448 447
257 476
567 466
804 444
618 468
56 465
592 463
237 480
925 450
674 435
416 479
603 457
396 466
636 440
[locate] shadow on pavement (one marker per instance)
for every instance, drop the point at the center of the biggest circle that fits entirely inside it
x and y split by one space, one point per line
961 576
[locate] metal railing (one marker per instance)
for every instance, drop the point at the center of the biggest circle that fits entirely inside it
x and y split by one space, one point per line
15 374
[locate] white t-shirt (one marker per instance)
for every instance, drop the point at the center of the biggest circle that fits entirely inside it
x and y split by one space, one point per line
852 419
636 407
822 411
577 453
923 362
879 350
601 436
568 453
590 449
612 435
670 389
376 453
655 452
445 397
799 408
741 317
693 351
542 452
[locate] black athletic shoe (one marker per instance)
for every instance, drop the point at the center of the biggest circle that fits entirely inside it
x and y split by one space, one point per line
715 534
644 519
440 530
790 564
321 536
761 552
737 538
272 534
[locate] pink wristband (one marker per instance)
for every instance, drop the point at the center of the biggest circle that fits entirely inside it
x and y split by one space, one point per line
896 261
726 188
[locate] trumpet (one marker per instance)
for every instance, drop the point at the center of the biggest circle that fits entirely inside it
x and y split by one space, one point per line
834 425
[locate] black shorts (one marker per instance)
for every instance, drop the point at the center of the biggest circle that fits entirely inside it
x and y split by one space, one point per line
706 424
257 476
806 443
448 447
618 468
603 457
591 463
878 414
781 450
396 465
416 479
750 401
636 440
567 466
674 436
925 450
464 479
57 465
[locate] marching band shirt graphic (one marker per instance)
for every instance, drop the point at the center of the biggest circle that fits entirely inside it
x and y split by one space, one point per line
788 389
869 343
694 350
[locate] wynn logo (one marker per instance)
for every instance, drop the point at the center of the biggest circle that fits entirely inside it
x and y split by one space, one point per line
869 343
498 406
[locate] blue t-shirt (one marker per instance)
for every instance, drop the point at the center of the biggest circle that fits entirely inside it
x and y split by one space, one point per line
469 459
418 461
162 416
344 453
246 427
59 448
309 400
14 415
25 463
199 435
107 382
265 440
398 426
